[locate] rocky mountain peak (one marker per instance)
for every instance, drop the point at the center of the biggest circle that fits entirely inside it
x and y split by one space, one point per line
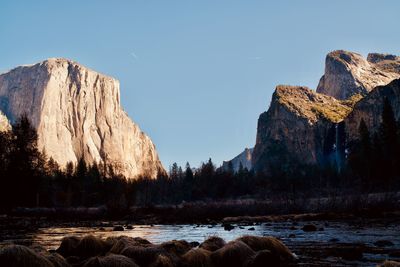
243 159
348 73
377 57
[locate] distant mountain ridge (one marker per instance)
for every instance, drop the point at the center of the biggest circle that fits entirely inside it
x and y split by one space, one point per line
77 113
243 160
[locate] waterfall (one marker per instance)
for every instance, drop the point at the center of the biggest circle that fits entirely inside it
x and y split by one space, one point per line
338 159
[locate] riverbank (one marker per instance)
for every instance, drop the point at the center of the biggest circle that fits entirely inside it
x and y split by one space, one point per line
377 205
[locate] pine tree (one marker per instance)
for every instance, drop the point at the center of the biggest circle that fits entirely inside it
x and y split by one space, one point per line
389 142
388 130
365 139
26 163
188 172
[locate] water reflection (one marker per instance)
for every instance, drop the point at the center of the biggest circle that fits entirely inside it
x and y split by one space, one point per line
50 238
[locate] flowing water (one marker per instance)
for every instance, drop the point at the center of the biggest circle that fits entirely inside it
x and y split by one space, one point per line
366 233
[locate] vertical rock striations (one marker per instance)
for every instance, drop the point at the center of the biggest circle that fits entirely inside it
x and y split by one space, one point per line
348 73
77 113
295 127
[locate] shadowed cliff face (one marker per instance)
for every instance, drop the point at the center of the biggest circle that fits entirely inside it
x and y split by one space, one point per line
77 113
296 128
370 109
348 73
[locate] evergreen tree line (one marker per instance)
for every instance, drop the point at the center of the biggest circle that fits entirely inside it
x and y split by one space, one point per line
372 164
375 158
29 178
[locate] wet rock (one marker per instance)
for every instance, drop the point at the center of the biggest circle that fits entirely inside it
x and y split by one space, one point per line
334 240
251 229
309 228
292 236
194 244
228 226
129 227
118 228
395 253
383 243
293 228
350 253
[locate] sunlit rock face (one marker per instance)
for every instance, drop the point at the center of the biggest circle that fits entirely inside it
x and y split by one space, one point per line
295 127
243 159
77 113
4 123
348 73
370 109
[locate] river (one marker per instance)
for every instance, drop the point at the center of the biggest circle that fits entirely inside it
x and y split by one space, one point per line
319 247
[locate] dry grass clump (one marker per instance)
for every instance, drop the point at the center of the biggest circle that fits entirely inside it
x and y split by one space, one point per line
275 246
197 258
90 251
122 242
213 243
68 246
163 261
111 260
177 247
265 258
21 256
143 255
56 259
90 246
390 264
233 254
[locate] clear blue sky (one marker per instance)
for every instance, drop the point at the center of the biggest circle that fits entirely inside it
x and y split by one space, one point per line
195 75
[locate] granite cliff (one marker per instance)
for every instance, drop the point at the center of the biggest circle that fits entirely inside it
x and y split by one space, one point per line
316 127
4 123
348 73
77 113
295 127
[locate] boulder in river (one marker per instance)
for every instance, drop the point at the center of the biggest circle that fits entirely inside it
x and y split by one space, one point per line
309 228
